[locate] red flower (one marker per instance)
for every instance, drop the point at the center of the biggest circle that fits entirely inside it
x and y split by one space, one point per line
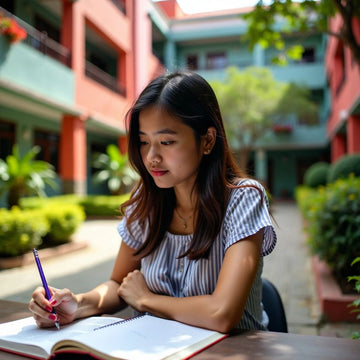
11 29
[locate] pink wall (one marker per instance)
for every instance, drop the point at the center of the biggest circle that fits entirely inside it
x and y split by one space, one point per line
115 28
345 90
130 36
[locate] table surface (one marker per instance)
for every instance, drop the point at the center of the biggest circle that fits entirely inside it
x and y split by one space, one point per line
243 345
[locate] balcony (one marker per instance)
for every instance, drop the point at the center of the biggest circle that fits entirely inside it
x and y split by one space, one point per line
41 42
103 78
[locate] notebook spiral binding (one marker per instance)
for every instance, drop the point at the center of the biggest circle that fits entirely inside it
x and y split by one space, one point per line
122 321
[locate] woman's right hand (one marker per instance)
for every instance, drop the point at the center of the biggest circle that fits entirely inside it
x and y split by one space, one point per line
63 301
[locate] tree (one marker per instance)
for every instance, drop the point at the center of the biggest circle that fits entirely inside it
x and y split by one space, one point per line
22 176
114 169
302 17
251 103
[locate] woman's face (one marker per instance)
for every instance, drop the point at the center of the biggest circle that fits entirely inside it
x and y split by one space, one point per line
168 149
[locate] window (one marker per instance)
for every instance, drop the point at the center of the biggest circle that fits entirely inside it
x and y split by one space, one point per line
45 27
7 138
192 62
49 144
308 56
216 61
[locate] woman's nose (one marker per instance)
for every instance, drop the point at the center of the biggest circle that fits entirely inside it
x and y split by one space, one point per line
153 155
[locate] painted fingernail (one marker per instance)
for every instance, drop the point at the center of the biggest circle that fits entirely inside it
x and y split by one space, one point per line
52 302
53 317
49 308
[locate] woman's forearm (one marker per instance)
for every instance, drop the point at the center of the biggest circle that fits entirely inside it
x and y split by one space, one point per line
100 300
203 311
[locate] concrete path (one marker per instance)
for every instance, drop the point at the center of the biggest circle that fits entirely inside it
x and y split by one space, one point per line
288 267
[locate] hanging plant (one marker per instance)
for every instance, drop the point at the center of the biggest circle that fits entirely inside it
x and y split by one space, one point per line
11 29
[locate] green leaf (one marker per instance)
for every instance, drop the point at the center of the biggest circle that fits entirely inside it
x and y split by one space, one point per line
295 52
355 261
114 184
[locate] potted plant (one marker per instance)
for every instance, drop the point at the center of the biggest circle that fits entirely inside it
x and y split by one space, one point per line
11 29
282 129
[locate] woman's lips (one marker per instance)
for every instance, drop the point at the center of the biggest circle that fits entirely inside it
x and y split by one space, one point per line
158 172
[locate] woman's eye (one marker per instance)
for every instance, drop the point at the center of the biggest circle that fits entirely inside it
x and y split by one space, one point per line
142 143
167 142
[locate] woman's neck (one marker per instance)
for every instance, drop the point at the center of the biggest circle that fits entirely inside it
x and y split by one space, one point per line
185 201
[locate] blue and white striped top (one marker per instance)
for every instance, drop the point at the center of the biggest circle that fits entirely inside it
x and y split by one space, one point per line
165 274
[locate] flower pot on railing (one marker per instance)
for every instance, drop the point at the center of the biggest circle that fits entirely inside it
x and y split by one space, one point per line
11 30
282 129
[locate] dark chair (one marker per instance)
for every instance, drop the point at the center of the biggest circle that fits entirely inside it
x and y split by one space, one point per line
274 307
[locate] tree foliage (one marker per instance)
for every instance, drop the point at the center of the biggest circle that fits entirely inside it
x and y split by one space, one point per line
302 17
252 101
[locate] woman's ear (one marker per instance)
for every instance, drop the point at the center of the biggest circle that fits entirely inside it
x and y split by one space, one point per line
209 140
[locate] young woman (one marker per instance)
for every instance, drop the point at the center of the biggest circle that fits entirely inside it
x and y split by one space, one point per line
195 229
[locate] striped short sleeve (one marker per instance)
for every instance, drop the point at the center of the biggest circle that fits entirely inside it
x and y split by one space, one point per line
247 213
133 238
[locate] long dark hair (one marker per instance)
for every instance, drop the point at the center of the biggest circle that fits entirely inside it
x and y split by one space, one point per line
190 98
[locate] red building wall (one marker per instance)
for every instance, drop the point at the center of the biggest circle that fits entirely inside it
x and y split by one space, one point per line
130 35
344 80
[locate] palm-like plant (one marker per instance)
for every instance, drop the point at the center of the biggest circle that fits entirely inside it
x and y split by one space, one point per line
23 175
114 169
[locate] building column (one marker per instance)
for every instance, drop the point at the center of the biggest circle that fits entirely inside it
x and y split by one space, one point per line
73 35
353 134
261 166
259 55
141 44
24 138
338 147
73 155
170 55
122 144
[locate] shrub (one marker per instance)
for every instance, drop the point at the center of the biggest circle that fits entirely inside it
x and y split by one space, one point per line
97 205
39 202
316 174
342 168
63 220
334 224
356 303
305 198
93 205
20 231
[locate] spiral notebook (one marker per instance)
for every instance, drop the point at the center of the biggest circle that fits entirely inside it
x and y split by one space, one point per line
145 337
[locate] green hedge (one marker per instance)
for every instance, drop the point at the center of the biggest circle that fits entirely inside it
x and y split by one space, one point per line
36 202
316 175
333 222
20 231
63 220
93 205
306 196
343 167
44 222
96 205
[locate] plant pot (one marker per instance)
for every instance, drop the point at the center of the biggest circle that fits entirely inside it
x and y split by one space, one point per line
334 304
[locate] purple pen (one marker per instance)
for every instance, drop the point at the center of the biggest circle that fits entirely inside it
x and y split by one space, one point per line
44 282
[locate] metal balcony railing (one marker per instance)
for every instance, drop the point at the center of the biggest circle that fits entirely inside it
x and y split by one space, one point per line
103 78
41 42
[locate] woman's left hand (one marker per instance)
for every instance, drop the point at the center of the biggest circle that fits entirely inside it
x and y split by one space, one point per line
134 289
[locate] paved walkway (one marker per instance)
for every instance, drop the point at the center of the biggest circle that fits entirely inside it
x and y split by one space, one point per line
288 267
